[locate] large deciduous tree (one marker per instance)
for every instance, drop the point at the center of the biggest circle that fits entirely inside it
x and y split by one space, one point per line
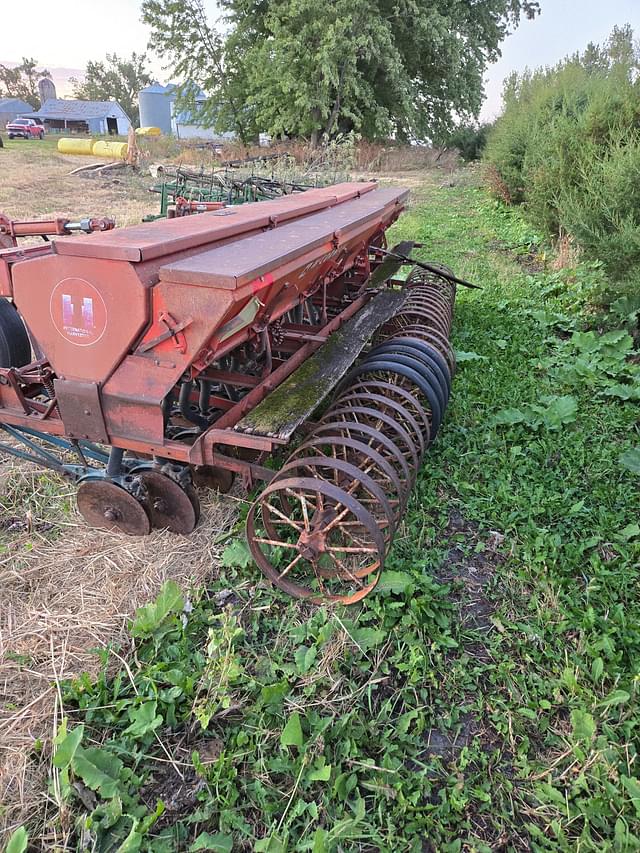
115 79
21 81
198 56
406 68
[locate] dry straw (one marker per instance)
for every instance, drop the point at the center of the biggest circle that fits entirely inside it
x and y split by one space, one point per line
67 590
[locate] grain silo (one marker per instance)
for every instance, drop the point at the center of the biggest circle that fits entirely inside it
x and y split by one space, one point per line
155 107
47 90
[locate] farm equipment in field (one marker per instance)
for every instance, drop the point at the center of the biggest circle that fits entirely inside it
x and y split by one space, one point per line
184 351
224 186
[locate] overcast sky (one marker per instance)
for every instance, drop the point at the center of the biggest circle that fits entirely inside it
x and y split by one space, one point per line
563 27
66 35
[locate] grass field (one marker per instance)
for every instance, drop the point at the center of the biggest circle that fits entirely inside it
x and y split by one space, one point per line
35 181
483 698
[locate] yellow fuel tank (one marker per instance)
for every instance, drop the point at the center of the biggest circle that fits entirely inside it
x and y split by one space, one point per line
148 131
116 150
68 145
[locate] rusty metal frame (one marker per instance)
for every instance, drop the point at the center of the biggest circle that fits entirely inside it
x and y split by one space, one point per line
341 278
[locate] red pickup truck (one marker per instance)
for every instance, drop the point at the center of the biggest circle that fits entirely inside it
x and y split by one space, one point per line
27 128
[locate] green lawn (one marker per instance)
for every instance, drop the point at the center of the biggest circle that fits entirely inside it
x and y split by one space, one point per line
484 696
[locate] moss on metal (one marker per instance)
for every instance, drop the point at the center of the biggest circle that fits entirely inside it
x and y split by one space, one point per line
295 400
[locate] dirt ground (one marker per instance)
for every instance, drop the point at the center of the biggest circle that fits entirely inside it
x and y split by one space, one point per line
66 591
35 182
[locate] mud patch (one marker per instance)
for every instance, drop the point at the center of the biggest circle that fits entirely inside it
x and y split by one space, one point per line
24 524
178 785
524 257
468 567
447 745
470 571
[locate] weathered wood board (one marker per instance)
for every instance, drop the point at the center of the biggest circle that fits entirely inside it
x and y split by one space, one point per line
295 400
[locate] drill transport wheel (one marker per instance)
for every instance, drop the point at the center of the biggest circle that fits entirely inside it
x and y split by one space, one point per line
108 506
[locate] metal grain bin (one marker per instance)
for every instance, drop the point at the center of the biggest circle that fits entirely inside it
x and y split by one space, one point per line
155 107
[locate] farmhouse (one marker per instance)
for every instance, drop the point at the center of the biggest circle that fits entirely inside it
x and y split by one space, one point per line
11 108
64 116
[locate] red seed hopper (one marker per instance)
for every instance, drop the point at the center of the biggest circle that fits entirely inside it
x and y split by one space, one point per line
141 359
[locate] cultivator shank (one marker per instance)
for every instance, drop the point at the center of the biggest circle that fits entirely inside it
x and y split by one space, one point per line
189 349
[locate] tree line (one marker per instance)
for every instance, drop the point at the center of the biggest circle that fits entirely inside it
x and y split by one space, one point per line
315 68
21 81
114 78
567 148
408 69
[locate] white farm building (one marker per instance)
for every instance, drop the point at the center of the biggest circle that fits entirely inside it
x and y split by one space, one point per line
158 109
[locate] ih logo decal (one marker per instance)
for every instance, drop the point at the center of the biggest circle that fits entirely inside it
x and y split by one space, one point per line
78 312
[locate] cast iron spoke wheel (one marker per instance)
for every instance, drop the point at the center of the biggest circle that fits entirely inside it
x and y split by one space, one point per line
377 441
415 319
316 541
426 317
390 406
353 481
382 423
366 459
396 392
408 374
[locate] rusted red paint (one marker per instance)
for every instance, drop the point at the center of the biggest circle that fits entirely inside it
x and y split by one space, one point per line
127 314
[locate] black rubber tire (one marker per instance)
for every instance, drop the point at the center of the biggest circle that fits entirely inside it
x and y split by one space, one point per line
426 368
411 370
410 347
15 347
427 348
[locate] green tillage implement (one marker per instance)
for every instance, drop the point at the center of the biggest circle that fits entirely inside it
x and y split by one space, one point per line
219 187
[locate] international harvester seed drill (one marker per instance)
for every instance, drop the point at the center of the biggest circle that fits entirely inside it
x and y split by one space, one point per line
142 361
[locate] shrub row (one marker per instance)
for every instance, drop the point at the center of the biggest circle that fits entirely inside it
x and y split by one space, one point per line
567 146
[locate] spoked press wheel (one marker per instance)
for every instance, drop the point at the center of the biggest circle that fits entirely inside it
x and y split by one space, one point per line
108 506
314 540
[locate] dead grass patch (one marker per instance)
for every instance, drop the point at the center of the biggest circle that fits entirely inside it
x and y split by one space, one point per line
567 254
65 592
36 183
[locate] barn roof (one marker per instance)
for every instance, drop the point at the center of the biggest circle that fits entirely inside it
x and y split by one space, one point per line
78 110
14 105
